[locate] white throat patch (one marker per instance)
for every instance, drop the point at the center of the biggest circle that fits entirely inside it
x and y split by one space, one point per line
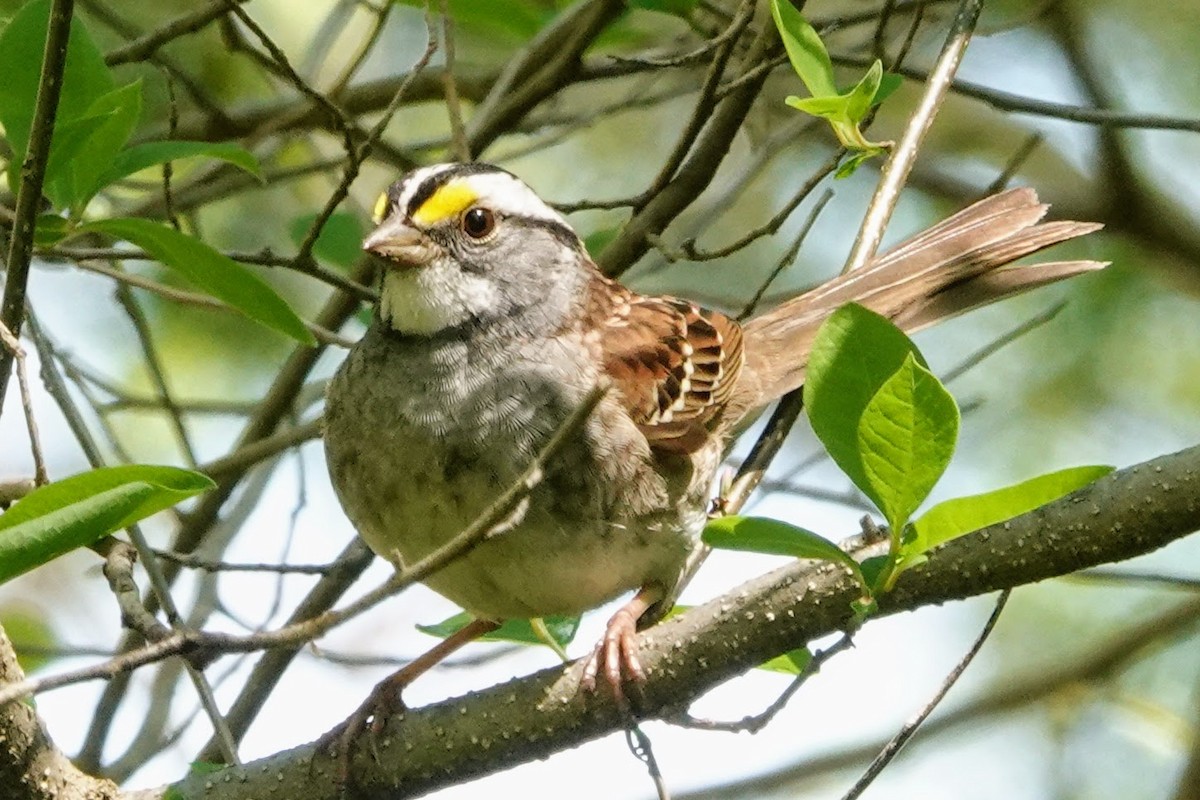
434 297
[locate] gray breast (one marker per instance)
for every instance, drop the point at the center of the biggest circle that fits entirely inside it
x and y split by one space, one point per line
423 434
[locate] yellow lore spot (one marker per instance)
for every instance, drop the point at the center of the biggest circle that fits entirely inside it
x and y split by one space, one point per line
447 202
380 210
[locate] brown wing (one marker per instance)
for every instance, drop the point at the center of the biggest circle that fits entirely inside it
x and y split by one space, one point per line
674 363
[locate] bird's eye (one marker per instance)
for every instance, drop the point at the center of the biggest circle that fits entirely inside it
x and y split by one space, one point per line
478 222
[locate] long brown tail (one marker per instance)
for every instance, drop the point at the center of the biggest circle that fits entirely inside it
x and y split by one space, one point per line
958 264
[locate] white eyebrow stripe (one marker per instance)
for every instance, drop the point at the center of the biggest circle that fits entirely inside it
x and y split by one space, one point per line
509 195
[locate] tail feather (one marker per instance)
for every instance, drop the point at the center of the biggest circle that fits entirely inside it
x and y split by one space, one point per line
954 266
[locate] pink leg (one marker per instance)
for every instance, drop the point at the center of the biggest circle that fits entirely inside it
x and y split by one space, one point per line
617 652
385 699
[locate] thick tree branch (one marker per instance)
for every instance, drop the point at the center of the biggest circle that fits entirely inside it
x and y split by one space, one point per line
1124 515
31 767
1098 666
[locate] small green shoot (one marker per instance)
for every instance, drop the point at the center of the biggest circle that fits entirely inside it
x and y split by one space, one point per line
555 632
845 111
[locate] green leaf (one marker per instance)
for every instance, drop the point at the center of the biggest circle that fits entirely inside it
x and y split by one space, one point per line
860 99
845 111
340 241
875 569
888 84
953 518
562 628
22 42
70 137
214 273
773 537
150 154
790 663
831 107
854 353
80 179
74 512
855 160
805 49
50 229
906 437
205 767
447 627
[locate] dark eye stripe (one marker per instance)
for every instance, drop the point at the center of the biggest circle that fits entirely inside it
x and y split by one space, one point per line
435 182
556 229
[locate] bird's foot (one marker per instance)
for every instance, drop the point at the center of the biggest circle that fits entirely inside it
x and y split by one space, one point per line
384 701
369 718
616 654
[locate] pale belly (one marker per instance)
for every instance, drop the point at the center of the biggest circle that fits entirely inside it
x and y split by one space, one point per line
411 478
550 557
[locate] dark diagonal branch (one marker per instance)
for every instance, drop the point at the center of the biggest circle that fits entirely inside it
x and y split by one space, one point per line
543 713
33 173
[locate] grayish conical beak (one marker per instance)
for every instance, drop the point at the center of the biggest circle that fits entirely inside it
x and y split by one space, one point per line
399 244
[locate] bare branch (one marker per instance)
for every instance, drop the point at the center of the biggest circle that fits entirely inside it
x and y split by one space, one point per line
899 164
452 741
33 172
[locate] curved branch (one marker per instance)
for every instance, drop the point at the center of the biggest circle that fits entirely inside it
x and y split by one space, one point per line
1126 514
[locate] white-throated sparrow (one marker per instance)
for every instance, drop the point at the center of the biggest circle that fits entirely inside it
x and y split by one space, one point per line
494 324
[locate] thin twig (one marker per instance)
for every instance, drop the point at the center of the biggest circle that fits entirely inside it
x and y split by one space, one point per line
1014 163
458 135
81 255
878 45
284 68
154 365
789 256
35 443
33 174
250 454
905 733
899 164
1102 575
158 581
1022 104
756 722
145 46
365 45
356 155
643 750
1118 651
1002 341
213 565
702 110
321 334
203 645
688 246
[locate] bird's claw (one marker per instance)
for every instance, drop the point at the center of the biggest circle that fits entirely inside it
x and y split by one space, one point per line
370 718
617 655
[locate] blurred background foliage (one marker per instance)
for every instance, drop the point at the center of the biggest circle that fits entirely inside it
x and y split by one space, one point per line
1113 377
